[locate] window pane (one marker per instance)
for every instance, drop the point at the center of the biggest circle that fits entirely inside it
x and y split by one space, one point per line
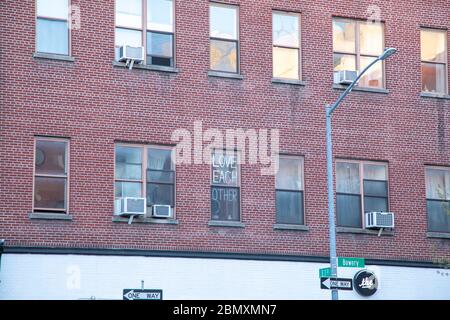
433 78
375 172
58 9
159 44
344 36
128 189
50 157
373 204
225 204
158 61
52 36
344 62
160 176
289 207
375 188
49 193
160 194
160 15
347 178
128 37
289 176
159 159
348 211
129 13
224 169
223 56
433 45
438 184
438 216
285 63
128 163
285 30
374 76
223 22
371 38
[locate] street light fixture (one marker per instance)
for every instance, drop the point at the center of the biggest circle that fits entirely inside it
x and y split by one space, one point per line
331 210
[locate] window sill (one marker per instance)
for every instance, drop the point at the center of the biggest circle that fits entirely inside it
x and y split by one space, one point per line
148 67
145 220
231 224
289 81
293 227
51 56
50 216
225 75
364 231
435 95
362 89
441 235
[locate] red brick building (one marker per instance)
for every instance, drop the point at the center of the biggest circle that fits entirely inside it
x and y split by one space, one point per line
399 118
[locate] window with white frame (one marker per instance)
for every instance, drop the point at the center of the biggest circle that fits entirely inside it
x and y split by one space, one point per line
438 198
148 24
360 187
225 186
286 45
145 172
434 60
51 175
52 26
289 191
224 38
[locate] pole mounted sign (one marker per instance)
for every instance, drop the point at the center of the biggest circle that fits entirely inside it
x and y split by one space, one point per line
351 262
325 273
366 283
142 294
336 284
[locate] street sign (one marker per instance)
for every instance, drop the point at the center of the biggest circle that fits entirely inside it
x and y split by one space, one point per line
351 262
366 283
336 283
142 294
325 273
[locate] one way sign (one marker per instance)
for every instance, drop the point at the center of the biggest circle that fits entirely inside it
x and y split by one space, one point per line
139 294
336 283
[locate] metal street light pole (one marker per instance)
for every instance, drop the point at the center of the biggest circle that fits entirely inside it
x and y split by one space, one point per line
331 209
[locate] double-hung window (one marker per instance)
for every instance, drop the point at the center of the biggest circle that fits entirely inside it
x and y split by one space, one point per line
286 45
148 24
438 199
356 44
51 175
289 191
225 186
224 38
434 60
52 27
360 187
145 172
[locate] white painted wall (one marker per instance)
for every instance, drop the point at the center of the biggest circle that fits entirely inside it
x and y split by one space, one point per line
32 276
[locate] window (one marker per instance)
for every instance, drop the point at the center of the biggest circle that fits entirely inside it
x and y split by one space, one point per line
50 175
438 199
355 45
434 60
148 24
52 26
286 45
225 186
360 187
145 171
289 191
224 43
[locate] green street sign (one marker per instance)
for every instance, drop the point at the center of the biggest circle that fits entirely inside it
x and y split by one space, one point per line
351 262
325 273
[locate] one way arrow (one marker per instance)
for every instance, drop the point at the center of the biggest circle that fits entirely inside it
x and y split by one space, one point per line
327 283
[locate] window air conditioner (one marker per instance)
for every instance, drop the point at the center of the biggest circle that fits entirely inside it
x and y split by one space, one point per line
378 220
131 206
345 77
129 53
161 211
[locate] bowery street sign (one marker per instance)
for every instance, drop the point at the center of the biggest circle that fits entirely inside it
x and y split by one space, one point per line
336 283
142 294
351 262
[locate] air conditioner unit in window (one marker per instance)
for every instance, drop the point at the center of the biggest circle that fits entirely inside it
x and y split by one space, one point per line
131 55
161 211
130 206
379 220
345 77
